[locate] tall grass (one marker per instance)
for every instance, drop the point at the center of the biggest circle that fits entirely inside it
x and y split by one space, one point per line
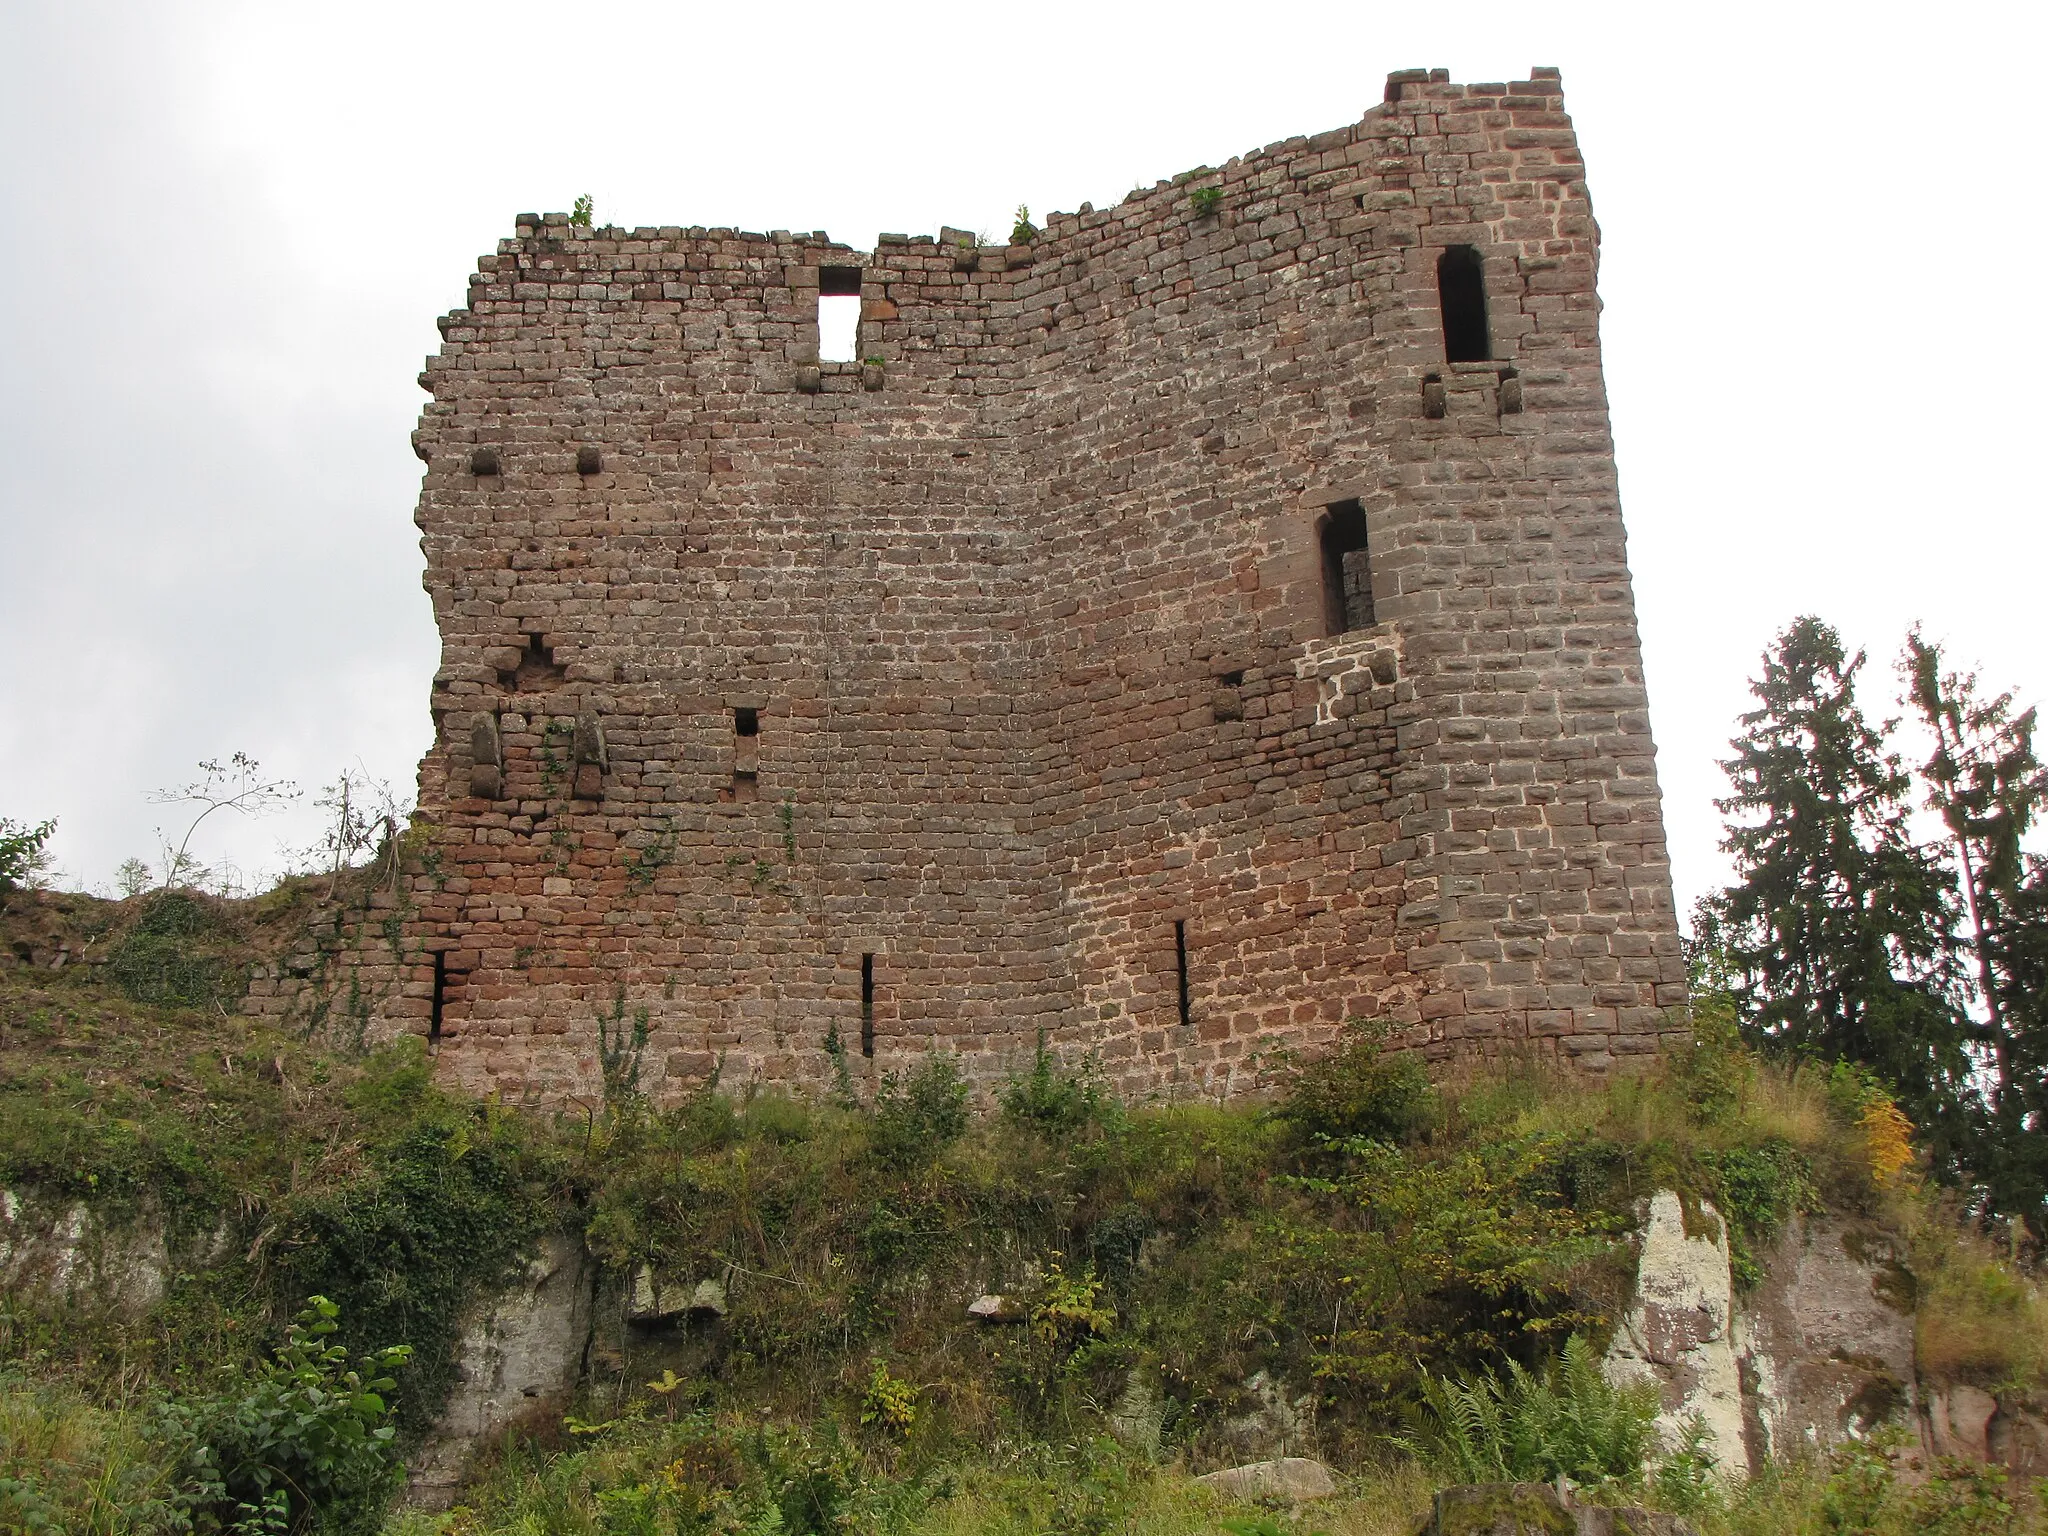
89 1470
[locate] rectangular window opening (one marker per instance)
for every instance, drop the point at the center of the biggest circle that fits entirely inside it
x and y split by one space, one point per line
839 314
867 1005
1180 960
746 755
1347 569
1461 295
440 999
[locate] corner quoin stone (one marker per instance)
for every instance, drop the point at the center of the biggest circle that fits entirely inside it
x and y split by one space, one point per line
1004 699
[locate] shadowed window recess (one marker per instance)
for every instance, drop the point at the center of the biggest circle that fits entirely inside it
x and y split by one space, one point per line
1461 294
746 754
1347 570
1180 964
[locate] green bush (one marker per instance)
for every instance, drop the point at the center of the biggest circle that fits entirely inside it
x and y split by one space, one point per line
1758 1188
306 1444
1056 1102
918 1114
1361 1090
23 855
446 1212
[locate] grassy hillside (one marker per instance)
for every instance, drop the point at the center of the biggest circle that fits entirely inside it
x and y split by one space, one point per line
1190 1284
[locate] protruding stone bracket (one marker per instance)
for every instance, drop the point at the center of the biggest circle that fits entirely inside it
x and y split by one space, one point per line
809 379
1510 392
486 759
1436 400
588 751
871 378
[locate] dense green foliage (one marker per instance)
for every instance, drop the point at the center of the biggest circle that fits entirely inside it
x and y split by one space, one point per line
1990 787
159 962
304 1440
1182 1282
1535 1426
1847 937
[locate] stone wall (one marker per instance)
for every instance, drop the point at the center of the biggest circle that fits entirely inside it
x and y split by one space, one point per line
986 685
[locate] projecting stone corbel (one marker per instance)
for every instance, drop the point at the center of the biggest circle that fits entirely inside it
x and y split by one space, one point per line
486 759
1435 399
588 750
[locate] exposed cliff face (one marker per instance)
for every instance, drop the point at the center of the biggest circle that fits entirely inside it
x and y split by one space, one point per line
70 1253
522 1357
1680 1332
1819 1352
1826 1341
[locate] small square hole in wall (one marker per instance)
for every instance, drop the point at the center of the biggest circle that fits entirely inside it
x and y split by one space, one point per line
838 314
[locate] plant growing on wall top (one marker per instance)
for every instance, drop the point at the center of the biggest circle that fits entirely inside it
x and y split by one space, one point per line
580 215
1023 231
237 785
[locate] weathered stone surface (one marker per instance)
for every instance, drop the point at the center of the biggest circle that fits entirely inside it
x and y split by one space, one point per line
1825 1348
1288 1477
1537 1509
1276 1420
521 1357
1678 1332
655 1300
1500 1509
2018 1437
73 1253
1958 1421
982 613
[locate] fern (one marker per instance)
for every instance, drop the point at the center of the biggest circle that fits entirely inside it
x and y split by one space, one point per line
1533 1426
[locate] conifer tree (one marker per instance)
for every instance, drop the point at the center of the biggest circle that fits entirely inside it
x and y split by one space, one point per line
1839 931
1990 788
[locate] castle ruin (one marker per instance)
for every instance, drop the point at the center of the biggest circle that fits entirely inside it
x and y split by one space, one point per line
1178 634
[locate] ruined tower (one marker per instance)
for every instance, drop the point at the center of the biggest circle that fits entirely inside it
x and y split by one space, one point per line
1178 634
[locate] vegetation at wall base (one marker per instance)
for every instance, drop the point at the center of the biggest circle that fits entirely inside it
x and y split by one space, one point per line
1385 1243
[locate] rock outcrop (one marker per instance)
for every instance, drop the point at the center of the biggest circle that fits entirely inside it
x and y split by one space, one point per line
1680 1331
524 1356
1819 1352
1538 1509
1825 1341
1294 1478
75 1254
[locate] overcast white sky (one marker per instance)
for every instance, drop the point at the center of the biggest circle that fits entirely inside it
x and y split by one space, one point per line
234 225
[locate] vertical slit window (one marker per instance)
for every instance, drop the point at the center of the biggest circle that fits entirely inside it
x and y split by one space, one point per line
746 752
867 1005
1180 964
1347 569
838 314
1461 294
440 997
